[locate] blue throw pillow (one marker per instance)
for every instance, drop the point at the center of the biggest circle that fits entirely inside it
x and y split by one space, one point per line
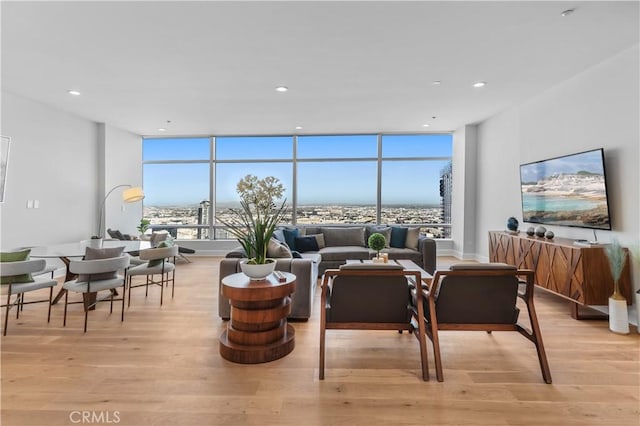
306 244
398 236
290 236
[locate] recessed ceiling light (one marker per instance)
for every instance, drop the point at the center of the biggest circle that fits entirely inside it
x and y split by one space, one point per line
73 92
436 82
281 88
162 129
298 127
425 125
479 84
567 12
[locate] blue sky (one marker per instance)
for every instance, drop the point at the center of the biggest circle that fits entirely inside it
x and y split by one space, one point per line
344 182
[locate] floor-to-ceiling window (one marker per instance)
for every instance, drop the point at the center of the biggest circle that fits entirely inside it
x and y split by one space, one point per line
176 176
329 179
337 179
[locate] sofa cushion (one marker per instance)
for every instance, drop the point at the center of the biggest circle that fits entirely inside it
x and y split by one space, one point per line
277 249
278 234
380 229
413 235
290 236
319 239
343 253
340 237
398 236
304 244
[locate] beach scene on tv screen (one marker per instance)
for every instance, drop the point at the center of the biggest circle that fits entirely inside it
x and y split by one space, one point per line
568 191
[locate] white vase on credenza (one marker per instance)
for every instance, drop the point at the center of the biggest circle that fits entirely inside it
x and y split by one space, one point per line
618 313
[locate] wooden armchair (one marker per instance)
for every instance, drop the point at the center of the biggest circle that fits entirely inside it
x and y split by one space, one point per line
370 297
480 297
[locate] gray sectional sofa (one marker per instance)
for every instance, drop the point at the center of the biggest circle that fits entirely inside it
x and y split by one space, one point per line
342 243
333 246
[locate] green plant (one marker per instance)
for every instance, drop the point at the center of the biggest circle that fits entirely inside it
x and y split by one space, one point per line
376 242
144 225
260 212
617 258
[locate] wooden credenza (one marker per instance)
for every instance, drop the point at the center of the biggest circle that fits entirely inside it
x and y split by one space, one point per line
578 273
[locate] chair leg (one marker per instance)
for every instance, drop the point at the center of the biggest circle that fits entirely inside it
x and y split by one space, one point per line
6 313
433 321
86 315
66 298
129 278
19 304
322 349
124 290
173 282
146 287
162 286
50 299
537 340
422 339
111 307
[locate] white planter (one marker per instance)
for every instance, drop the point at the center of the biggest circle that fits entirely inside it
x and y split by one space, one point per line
257 272
618 316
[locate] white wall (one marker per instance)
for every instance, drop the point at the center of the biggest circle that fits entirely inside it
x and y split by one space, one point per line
598 108
53 160
66 163
122 165
463 203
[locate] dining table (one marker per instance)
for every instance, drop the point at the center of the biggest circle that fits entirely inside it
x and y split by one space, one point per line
67 251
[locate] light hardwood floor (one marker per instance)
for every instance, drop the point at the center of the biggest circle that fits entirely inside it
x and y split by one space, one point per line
162 367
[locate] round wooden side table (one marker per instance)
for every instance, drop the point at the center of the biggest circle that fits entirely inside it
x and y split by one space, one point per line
258 330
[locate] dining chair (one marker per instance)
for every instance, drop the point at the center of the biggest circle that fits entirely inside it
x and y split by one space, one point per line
480 297
94 276
18 279
157 263
370 297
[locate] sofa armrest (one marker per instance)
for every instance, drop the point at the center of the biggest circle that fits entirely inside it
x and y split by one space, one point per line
302 298
236 253
427 247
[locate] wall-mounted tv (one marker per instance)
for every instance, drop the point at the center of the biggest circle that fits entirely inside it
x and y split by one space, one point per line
567 191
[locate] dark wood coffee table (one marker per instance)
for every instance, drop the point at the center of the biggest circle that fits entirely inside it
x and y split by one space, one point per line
258 330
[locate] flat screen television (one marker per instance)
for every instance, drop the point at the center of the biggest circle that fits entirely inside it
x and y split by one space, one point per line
567 191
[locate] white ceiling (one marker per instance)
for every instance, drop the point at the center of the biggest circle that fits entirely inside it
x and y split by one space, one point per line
211 67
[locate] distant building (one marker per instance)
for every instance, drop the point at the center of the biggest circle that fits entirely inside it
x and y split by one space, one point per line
446 183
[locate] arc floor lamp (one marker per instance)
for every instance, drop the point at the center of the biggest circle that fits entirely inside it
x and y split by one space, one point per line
130 195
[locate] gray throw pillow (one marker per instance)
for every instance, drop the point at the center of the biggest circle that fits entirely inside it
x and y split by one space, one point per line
413 234
277 249
336 237
100 253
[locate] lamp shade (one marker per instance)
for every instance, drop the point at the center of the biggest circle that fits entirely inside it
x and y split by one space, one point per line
131 195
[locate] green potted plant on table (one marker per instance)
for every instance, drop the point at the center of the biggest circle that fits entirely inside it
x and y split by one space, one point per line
253 224
376 242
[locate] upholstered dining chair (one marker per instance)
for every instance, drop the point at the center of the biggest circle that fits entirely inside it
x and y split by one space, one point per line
22 277
157 263
480 297
94 276
370 297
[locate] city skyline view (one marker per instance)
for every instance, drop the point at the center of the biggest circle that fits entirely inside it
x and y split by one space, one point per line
336 178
